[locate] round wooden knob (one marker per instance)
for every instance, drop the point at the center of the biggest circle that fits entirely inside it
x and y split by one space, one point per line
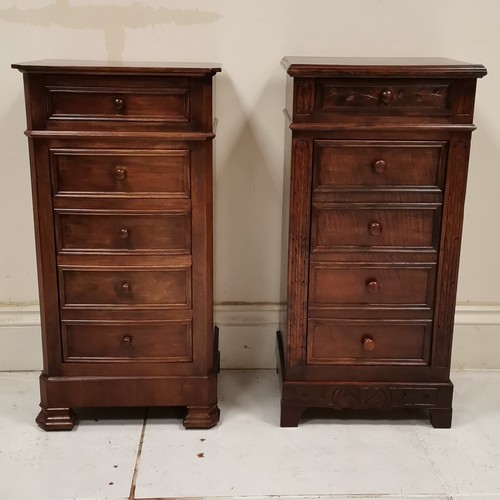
386 96
123 233
380 166
373 286
118 104
368 344
127 339
126 287
120 173
375 228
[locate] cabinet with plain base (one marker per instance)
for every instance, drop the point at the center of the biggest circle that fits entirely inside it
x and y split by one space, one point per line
375 176
121 166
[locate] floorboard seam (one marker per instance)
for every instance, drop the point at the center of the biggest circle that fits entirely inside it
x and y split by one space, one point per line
433 463
138 458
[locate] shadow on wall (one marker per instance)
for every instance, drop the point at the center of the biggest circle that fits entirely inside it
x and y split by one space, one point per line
113 20
248 198
479 273
17 249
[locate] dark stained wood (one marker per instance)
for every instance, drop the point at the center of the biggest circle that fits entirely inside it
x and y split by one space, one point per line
105 172
373 204
121 163
137 103
118 233
109 103
382 284
298 249
440 417
386 97
367 342
385 164
113 288
449 258
341 225
165 342
383 67
67 66
56 419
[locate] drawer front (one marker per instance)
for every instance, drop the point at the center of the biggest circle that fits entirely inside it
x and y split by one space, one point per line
370 342
364 226
332 285
121 172
385 164
165 233
166 342
118 99
111 288
389 97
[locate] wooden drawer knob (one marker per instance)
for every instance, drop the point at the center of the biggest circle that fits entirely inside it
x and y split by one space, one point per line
375 228
120 173
373 286
386 96
368 344
127 340
380 166
124 233
126 288
118 104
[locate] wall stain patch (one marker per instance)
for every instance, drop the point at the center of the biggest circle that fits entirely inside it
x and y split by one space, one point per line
113 20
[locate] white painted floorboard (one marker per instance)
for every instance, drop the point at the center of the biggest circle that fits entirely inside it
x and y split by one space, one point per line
248 456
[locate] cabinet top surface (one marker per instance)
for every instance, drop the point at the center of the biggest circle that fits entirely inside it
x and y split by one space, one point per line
117 67
416 67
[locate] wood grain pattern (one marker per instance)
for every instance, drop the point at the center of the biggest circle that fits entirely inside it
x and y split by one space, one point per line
121 172
124 232
119 104
298 249
353 164
342 342
386 97
132 288
341 225
162 342
449 258
332 284
304 100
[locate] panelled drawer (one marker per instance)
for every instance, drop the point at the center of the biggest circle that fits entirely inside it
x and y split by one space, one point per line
168 341
355 284
119 232
368 342
121 172
129 288
344 225
385 164
383 97
117 99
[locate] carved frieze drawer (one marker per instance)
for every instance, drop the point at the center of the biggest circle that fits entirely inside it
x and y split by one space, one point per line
384 97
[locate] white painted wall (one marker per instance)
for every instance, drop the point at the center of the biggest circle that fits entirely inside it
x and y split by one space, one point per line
249 37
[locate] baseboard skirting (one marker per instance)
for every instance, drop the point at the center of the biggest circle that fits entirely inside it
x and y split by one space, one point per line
247 336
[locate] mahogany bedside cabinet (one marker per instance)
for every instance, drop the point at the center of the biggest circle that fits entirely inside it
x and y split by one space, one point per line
377 157
121 169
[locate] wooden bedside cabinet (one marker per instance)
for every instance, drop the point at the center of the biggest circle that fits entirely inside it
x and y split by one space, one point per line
121 165
376 168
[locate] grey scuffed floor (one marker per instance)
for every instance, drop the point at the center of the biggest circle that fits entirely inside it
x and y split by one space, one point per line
380 455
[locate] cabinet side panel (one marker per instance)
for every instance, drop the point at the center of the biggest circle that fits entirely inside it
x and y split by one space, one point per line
449 255
45 252
298 251
202 249
284 229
